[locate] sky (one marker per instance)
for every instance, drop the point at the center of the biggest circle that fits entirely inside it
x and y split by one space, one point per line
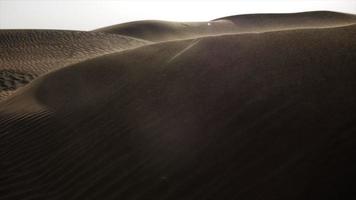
92 14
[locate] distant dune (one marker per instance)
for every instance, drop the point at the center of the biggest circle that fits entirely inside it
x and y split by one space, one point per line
257 107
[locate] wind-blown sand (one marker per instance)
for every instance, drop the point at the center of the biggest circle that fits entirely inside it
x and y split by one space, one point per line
244 115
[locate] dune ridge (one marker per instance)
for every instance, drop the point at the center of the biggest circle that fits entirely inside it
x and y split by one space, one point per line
158 31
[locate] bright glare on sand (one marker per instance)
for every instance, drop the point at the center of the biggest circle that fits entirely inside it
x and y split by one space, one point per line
92 14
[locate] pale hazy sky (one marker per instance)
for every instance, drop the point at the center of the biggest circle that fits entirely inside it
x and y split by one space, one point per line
92 14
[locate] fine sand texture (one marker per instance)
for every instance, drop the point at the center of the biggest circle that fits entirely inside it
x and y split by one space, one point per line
263 114
26 54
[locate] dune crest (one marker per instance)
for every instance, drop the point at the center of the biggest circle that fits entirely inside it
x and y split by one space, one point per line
158 31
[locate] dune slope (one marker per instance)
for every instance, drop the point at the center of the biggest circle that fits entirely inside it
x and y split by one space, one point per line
244 116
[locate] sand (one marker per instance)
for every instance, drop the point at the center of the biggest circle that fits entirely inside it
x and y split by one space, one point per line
244 115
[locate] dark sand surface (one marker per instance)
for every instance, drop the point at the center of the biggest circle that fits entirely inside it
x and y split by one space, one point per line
263 115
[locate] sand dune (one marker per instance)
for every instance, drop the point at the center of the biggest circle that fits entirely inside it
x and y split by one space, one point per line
30 53
268 22
159 31
266 115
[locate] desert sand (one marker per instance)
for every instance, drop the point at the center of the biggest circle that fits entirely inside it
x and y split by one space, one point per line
255 106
